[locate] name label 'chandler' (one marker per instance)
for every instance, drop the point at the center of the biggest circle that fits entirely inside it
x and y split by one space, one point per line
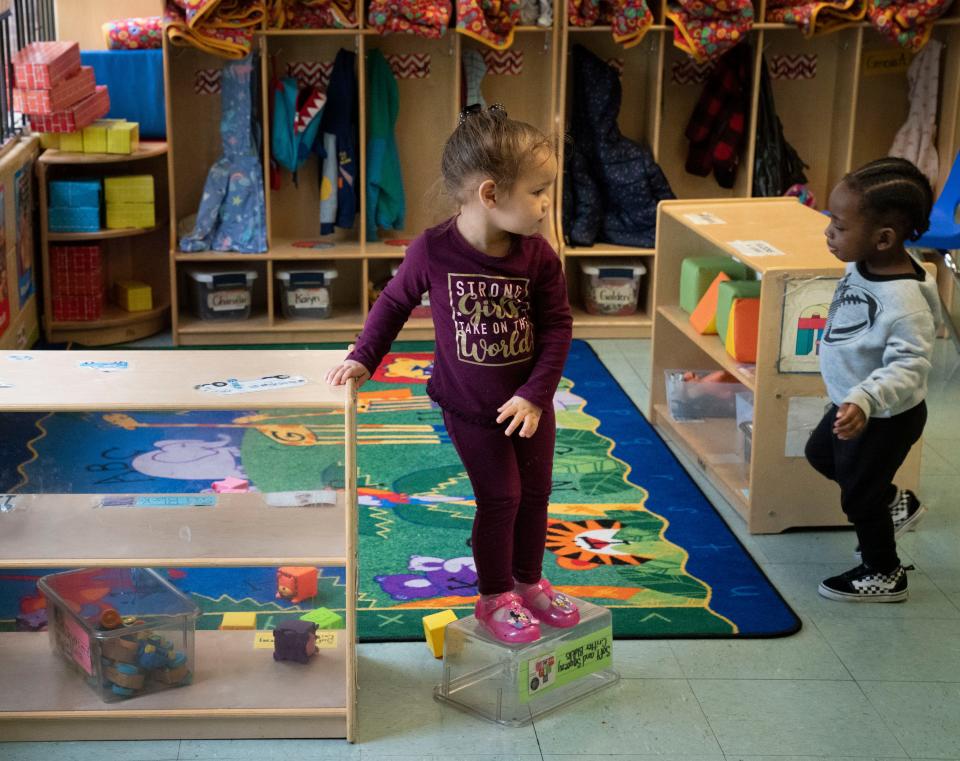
491 316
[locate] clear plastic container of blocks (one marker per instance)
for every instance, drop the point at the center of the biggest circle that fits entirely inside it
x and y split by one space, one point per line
127 631
514 684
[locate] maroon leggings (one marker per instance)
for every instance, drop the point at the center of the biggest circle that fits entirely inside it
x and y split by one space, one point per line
511 479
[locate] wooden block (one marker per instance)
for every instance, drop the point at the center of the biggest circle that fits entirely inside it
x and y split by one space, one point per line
742 330
434 627
133 296
70 141
233 621
733 289
698 272
704 317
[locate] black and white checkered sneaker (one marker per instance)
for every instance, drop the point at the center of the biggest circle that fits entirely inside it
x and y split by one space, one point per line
906 512
863 584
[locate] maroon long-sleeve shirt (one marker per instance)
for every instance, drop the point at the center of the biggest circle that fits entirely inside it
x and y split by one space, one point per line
503 324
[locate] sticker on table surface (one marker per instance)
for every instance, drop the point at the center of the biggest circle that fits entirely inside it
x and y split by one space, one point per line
111 366
19 357
754 248
263 383
4 384
301 498
160 500
567 663
326 640
705 218
7 503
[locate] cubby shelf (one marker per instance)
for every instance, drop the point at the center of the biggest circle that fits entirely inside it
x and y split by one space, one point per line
829 117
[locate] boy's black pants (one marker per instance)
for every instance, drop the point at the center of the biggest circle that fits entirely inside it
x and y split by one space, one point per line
864 468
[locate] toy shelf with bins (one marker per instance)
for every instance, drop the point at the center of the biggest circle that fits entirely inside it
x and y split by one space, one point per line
237 691
128 253
777 489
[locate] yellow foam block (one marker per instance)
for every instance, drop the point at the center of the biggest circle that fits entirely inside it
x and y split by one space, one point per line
120 215
743 330
238 621
123 137
434 627
133 188
704 317
133 295
95 138
71 141
49 139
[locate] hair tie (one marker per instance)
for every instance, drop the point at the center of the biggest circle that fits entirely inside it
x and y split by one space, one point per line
497 110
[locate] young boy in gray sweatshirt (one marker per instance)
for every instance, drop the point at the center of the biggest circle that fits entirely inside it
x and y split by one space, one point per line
875 359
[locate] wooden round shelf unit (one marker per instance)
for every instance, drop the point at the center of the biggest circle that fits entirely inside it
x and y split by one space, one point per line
140 254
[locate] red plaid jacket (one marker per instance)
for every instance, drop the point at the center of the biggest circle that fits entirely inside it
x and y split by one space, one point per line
718 126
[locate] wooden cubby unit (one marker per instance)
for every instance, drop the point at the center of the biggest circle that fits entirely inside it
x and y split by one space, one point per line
774 491
238 691
845 115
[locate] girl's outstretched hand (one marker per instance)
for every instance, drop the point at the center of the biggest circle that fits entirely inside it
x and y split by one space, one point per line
349 368
524 414
850 422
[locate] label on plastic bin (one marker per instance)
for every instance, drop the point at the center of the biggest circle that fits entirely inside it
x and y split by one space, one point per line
569 662
308 298
228 300
76 643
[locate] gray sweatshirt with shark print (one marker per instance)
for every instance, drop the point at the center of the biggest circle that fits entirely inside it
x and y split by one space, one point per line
878 340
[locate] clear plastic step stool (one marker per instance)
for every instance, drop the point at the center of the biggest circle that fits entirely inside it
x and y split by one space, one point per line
514 684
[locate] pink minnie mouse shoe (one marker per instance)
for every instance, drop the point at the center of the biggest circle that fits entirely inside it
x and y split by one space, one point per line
553 608
516 627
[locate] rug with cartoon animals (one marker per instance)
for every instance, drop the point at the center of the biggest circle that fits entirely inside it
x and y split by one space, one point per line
628 528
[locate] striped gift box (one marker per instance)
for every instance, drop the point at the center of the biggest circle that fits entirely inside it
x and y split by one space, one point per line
41 65
60 97
76 117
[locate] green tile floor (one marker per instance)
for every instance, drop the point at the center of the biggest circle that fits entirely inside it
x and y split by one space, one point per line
875 682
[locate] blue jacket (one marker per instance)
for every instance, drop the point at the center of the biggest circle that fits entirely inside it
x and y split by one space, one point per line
339 128
611 184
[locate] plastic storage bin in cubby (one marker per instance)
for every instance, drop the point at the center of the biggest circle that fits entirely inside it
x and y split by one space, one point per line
127 631
611 288
743 404
699 394
306 294
221 295
514 684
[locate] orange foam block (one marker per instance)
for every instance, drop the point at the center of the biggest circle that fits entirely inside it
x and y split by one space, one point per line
704 317
743 330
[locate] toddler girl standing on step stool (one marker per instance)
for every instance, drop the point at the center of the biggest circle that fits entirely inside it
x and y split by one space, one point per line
503 330
875 359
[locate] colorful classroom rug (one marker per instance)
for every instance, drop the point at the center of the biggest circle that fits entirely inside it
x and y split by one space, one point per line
628 528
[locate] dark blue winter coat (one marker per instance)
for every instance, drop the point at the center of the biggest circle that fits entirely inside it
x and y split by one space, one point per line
611 184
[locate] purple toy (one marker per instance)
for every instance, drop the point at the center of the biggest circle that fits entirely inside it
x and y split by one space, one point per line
294 641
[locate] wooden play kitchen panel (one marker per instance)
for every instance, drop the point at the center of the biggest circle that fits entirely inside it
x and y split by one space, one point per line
237 690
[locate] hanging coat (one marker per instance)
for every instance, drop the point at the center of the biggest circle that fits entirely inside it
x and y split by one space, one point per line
916 140
296 118
611 184
337 146
231 216
385 202
776 165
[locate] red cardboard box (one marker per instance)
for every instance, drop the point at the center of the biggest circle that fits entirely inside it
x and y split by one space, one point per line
41 65
60 97
81 306
78 116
